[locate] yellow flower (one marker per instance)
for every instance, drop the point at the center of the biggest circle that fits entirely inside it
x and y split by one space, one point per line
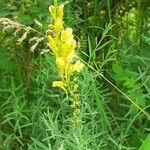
52 44
52 10
76 121
51 26
68 43
66 35
59 84
68 52
70 70
57 14
60 11
70 56
78 66
60 63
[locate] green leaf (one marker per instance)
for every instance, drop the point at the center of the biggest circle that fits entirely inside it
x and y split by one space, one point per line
39 144
146 144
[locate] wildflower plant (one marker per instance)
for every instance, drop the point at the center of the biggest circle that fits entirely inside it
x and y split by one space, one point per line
63 45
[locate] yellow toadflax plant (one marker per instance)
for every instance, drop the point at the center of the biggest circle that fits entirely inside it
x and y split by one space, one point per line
63 45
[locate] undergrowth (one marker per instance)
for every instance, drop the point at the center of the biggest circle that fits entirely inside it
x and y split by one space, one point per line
113 39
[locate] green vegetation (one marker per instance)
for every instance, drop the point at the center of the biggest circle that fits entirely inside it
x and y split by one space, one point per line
113 43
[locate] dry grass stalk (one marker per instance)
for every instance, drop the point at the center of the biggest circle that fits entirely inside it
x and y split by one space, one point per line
18 27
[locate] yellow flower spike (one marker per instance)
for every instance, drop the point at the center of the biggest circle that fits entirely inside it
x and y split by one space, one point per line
63 45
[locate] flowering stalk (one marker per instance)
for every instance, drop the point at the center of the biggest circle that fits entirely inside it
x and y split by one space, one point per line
63 45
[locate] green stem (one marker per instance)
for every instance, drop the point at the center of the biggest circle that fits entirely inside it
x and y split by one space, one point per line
55 3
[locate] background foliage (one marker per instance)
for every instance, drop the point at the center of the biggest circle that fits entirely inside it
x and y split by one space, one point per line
114 38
